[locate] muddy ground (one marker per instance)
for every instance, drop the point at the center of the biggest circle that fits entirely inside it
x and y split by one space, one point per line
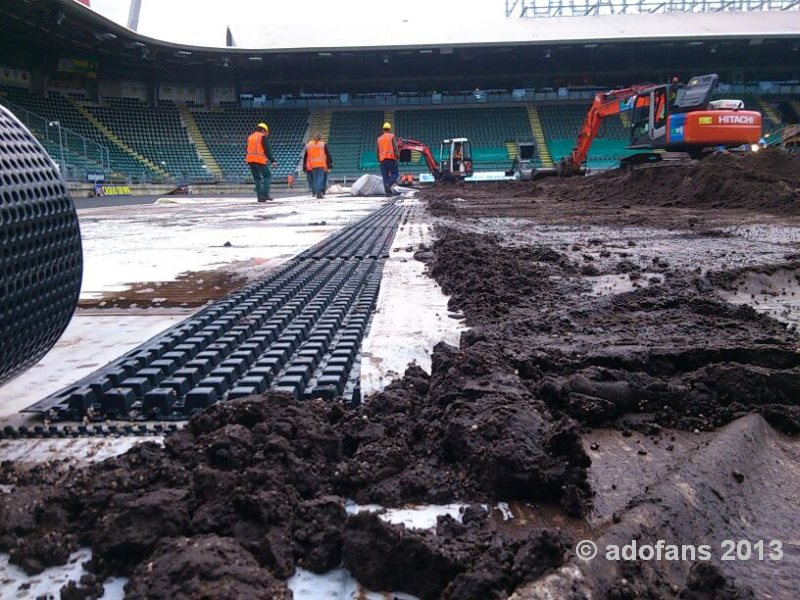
188 290
621 382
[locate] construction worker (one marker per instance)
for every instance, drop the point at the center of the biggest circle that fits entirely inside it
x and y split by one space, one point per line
388 153
259 157
316 160
457 157
328 168
307 170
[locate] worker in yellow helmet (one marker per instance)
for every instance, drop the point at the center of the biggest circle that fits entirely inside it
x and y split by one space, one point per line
259 158
388 153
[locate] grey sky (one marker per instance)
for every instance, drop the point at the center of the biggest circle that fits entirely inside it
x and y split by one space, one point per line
204 22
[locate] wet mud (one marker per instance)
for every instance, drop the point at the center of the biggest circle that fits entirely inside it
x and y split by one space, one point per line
255 488
188 290
456 560
691 343
673 353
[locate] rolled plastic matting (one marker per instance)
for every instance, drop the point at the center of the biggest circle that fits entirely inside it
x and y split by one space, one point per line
41 262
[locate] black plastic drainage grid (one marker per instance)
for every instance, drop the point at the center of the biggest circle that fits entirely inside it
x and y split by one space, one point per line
299 330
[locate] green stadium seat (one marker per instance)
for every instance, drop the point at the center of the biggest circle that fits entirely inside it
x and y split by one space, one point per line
225 132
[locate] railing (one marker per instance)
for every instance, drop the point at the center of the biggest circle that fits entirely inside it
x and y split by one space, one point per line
586 8
75 154
503 97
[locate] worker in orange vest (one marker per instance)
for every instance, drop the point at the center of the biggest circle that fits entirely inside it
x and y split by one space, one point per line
328 168
388 153
259 157
315 160
307 169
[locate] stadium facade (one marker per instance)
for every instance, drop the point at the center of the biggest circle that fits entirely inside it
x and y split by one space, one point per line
160 110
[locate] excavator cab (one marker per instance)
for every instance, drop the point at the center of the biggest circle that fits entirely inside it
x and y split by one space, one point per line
651 110
455 159
657 111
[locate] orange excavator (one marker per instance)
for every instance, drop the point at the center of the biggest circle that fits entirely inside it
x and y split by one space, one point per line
455 157
669 117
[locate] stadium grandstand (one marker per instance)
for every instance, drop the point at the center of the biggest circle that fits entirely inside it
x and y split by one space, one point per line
109 103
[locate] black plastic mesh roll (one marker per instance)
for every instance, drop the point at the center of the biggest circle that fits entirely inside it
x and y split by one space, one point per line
41 262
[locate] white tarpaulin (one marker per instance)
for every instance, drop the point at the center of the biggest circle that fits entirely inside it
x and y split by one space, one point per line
367 185
372 185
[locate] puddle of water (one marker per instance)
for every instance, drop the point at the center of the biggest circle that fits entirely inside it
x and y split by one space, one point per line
776 294
17 584
607 285
335 585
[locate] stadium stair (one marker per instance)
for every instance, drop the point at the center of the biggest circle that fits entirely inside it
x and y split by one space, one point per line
352 142
538 135
769 111
511 147
111 136
388 117
37 124
203 152
320 122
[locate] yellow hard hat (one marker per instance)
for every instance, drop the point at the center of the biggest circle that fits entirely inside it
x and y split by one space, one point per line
387 125
263 126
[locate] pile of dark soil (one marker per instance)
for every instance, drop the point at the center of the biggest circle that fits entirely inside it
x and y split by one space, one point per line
721 190
456 561
252 489
766 181
485 280
441 207
673 353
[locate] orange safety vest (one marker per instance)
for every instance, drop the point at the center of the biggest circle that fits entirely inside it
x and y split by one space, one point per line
316 156
386 147
255 148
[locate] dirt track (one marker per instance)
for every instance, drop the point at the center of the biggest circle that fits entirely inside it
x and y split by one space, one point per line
608 382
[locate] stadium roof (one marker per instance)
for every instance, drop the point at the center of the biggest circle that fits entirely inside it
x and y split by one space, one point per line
508 53
651 27
87 30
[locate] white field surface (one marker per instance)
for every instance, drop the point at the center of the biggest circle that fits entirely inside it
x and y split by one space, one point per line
123 245
411 316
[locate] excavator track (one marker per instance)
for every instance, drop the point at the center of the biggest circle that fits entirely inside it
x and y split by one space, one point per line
657 160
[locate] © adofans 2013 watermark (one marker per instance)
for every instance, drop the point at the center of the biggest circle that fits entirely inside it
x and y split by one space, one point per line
740 550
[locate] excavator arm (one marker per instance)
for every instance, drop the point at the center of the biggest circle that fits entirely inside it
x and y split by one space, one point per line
604 105
415 146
